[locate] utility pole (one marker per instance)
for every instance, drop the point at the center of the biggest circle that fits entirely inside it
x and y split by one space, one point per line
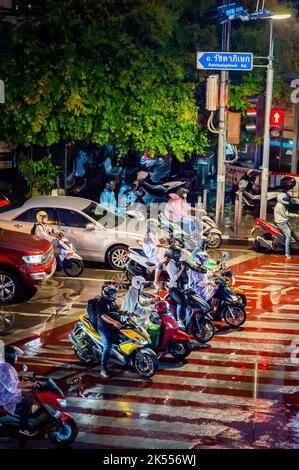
268 107
222 137
295 140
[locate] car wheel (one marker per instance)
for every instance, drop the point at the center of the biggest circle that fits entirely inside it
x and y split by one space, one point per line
9 287
117 257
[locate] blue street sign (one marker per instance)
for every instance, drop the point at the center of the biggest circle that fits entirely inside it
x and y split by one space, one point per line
239 61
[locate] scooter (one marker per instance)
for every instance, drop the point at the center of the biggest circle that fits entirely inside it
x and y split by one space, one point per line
252 201
210 231
170 339
198 320
47 417
133 347
68 259
225 305
141 187
271 238
227 274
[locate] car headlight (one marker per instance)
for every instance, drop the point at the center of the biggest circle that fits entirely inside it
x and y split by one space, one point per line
33 259
62 402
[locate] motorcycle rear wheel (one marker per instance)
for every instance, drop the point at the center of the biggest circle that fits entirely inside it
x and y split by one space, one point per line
145 364
214 240
63 435
234 316
73 267
179 349
204 332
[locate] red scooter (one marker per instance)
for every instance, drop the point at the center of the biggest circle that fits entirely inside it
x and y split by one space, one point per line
271 238
172 340
47 417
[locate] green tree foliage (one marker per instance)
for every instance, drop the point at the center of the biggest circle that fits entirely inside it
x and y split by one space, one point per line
119 72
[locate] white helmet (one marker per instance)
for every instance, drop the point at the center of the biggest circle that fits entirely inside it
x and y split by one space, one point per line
284 198
138 282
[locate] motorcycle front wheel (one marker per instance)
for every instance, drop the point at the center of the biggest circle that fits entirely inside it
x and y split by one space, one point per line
179 349
203 330
73 267
145 364
234 315
63 434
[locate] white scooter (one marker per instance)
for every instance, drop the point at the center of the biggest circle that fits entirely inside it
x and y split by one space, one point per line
68 258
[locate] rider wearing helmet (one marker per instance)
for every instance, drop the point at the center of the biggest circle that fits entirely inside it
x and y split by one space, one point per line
107 198
200 280
11 390
41 228
132 303
108 320
281 219
174 271
153 248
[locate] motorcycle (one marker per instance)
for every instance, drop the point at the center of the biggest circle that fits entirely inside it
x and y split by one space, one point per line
68 259
227 274
252 200
141 187
170 339
198 320
210 231
271 238
225 305
47 416
133 347
4 201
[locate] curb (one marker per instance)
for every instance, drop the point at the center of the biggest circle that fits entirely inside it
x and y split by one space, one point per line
242 241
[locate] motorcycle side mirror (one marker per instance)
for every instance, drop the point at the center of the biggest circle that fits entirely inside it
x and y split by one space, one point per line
25 368
225 256
90 227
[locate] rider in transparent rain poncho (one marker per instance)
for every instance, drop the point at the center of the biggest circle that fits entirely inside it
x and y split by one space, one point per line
134 304
201 281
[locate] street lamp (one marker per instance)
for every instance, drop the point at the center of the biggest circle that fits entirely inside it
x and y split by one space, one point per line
269 92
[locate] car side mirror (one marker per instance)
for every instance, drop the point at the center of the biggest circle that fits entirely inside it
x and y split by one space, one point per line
90 227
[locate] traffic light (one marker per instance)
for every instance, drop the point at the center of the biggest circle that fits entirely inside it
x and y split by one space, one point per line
276 122
256 115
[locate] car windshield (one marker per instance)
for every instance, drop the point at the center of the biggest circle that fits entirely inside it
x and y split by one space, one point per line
107 219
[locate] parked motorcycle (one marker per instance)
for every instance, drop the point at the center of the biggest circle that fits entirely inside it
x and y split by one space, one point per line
252 200
141 187
68 259
133 347
271 238
48 417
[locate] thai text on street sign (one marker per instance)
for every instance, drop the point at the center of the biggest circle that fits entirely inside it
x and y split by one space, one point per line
239 61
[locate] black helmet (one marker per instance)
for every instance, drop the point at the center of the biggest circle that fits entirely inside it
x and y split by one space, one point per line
287 183
109 293
10 355
182 192
174 253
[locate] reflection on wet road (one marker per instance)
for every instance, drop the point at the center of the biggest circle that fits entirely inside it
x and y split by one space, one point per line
240 390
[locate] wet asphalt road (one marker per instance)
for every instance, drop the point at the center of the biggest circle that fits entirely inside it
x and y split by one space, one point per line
239 391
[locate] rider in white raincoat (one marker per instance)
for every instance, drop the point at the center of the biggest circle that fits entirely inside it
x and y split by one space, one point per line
201 281
134 305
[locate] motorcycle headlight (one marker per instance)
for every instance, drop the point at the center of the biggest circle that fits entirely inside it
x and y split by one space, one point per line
233 280
33 259
62 402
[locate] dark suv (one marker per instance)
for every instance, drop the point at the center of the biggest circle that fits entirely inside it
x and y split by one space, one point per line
25 260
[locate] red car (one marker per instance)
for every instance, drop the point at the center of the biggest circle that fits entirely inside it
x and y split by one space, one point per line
25 260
